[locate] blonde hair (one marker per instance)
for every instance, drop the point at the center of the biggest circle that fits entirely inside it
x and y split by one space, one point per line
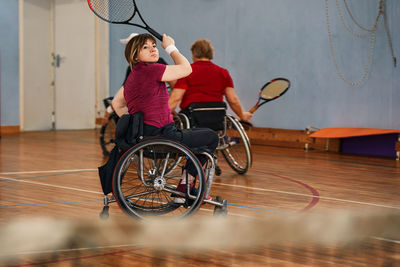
133 47
202 49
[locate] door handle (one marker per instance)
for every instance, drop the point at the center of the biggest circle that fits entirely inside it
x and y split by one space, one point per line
58 60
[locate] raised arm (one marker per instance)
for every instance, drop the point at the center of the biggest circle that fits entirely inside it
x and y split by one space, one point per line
235 105
182 66
119 103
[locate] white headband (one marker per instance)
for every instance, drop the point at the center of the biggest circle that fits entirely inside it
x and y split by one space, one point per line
125 41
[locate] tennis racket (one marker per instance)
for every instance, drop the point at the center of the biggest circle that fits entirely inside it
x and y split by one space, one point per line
271 91
120 12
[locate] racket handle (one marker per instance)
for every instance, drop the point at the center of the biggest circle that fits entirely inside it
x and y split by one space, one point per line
156 34
253 109
246 125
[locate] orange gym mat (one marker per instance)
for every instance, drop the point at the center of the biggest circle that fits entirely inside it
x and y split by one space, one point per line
350 132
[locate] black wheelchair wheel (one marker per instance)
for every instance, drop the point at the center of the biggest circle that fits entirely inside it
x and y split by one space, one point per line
107 135
146 176
235 146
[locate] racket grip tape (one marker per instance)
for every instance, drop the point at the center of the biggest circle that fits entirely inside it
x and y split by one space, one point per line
253 109
156 34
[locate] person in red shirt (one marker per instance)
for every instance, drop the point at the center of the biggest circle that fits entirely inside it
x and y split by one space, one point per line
208 82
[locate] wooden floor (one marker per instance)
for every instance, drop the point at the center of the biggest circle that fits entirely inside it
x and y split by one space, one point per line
54 174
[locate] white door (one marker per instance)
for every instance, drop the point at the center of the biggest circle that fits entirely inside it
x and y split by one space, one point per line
74 49
35 95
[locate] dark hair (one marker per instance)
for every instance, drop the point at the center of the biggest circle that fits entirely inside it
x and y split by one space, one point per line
133 47
202 49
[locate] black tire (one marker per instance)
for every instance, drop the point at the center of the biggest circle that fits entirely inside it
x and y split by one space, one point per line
140 188
236 146
107 135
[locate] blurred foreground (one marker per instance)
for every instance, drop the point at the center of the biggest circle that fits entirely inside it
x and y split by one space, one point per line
343 238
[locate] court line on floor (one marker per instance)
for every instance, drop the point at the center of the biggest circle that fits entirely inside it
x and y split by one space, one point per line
98 201
50 185
49 175
314 192
82 190
329 160
313 202
51 203
223 184
308 195
49 171
254 208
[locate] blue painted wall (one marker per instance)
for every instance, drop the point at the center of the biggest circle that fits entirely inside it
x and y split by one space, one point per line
257 40
9 74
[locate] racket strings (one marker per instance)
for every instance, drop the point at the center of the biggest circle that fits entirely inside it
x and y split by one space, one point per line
113 11
274 89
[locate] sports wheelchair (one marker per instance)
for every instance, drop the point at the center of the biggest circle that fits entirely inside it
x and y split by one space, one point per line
145 180
234 144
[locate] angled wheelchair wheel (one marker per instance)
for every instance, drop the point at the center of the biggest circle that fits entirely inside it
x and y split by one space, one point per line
235 146
107 135
181 121
146 177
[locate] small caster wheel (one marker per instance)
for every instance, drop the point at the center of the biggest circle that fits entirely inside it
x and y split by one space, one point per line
104 213
217 170
221 211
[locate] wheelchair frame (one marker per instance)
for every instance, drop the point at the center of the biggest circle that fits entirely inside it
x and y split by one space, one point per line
224 146
158 186
107 130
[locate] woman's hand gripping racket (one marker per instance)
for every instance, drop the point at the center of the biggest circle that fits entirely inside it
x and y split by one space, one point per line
270 91
120 12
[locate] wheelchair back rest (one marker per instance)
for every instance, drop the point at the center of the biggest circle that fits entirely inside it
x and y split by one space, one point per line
207 115
129 130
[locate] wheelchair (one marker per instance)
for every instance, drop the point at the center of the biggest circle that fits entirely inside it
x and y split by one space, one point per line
107 130
146 177
234 144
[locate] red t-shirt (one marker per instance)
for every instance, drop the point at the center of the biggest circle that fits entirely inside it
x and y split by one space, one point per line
206 83
145 92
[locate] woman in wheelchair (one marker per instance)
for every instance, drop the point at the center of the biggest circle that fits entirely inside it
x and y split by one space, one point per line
145 91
